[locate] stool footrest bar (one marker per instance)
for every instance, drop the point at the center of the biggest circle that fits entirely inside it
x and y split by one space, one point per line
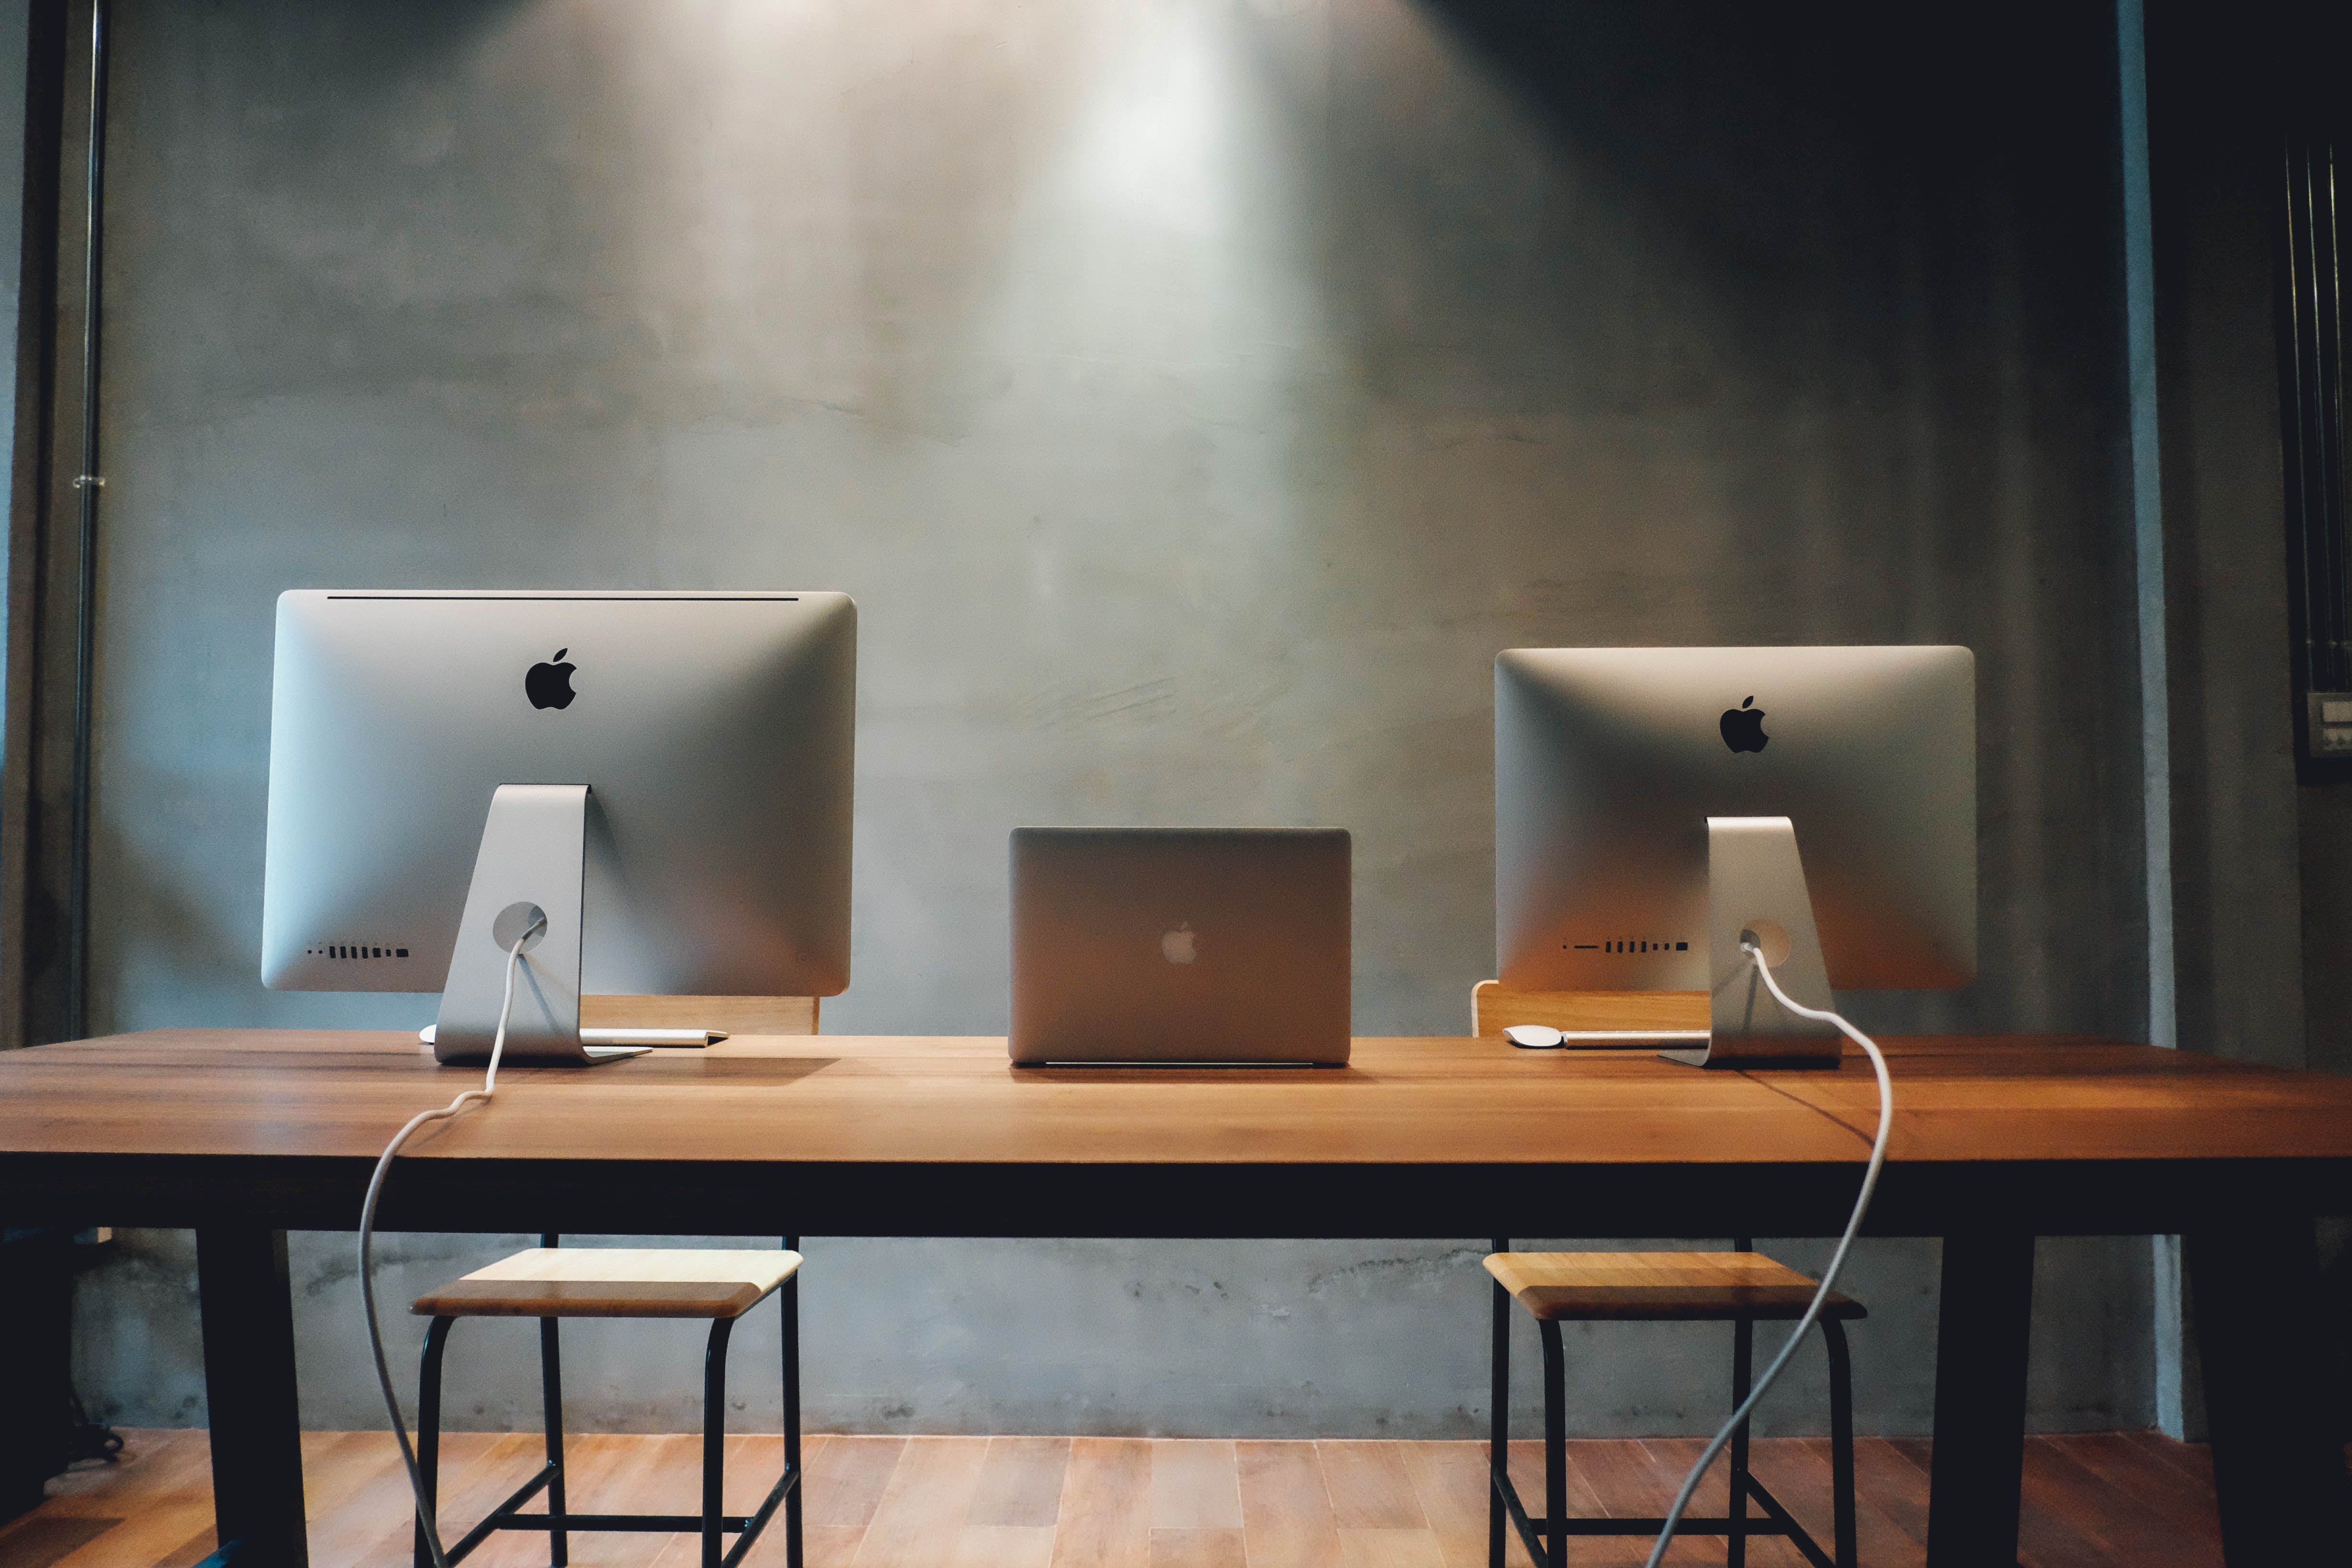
747 1526
1778 1522
690 1524
1616 1524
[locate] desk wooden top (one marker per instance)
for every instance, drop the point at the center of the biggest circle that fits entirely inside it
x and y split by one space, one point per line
154 1119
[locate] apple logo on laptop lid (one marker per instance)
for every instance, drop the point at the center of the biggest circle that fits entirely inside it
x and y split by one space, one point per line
1176 946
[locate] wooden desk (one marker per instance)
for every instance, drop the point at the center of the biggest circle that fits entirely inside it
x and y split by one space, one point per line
242 1134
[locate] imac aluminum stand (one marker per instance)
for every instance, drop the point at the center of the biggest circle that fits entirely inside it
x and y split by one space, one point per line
532 861
1756 888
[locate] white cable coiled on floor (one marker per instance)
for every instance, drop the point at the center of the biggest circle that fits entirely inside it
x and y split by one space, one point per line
1837 1259
367 1243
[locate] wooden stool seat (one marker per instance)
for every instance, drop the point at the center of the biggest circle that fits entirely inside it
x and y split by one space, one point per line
1659 1287
614 1282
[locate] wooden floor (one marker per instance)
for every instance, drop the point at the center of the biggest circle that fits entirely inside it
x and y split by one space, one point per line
1102 1502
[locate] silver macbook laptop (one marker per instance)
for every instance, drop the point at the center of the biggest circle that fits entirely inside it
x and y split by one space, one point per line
1181 944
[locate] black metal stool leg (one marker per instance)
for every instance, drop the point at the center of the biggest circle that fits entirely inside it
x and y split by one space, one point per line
1555 1446
429 1428
550 1394
1841 1441
1498 1419
714 1436
788 1302
1743 1370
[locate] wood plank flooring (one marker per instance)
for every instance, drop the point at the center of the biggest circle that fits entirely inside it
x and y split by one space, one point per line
2101 1500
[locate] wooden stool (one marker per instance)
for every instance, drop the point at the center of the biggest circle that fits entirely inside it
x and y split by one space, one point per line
550 1284
1739 1288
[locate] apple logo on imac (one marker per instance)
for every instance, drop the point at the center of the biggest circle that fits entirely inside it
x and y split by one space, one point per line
1176 947
548 684
1743 727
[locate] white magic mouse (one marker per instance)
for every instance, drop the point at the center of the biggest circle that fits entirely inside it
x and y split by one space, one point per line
1534 1037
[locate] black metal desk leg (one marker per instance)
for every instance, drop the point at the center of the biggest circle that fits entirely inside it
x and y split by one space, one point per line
1981 1342
257 1424
2277 1472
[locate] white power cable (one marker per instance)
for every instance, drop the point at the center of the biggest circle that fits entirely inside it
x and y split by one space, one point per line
367 1243
1837 1258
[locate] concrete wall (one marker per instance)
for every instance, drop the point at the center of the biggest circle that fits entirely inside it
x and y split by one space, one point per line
1196 394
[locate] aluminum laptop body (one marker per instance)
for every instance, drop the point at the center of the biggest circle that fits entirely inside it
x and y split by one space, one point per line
1181 944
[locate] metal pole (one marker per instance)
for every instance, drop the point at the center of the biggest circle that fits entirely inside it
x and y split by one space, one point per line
87 482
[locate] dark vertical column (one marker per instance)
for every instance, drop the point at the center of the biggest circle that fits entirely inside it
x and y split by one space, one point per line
87 481
2278 1472
1980 1452
35 775
257 1425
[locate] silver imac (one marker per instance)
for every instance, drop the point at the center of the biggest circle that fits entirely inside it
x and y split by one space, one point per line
663 777
1651 805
